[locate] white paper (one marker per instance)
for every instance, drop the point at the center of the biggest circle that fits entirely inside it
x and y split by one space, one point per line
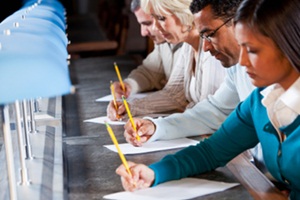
186 188
109 98
106 98
103 120
159 145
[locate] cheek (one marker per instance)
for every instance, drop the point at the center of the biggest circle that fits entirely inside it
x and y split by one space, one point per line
256 63
161 26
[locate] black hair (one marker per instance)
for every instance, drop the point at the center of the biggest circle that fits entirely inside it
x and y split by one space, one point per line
277 19
224 9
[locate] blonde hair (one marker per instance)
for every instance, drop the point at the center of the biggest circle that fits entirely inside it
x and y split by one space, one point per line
179 8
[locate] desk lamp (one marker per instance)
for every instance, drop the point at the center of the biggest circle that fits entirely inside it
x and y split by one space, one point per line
31 66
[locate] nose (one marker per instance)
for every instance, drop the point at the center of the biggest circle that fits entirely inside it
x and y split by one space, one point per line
155 25
144 31
243 58
207 46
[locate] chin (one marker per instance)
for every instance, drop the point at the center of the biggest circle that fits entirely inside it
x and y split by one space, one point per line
160 42
172 41
258 84
226 64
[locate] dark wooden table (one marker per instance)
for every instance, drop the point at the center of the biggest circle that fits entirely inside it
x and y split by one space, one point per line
90 167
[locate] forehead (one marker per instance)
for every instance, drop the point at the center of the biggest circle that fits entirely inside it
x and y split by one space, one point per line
250 35
142 16
205 20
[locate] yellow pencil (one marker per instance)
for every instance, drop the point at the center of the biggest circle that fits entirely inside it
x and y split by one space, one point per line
114 139
130 117
119 76
112 89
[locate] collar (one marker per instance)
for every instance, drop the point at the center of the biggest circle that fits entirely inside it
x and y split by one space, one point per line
290 97
175 47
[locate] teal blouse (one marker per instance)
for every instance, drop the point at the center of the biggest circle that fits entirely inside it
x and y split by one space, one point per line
247 125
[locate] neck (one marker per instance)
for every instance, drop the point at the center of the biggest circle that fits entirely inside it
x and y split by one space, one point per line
193 39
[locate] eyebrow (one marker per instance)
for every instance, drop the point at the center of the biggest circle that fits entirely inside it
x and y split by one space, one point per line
204 30
154 15
146 23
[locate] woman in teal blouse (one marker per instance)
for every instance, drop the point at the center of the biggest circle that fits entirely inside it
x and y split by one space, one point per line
268 34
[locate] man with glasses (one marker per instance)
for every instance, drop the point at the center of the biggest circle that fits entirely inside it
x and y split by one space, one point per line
212 19
208 36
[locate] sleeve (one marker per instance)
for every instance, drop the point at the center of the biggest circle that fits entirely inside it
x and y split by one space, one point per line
235 136
205 117
149 74
170 99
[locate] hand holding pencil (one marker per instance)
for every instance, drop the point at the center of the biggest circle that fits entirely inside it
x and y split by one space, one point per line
121 88
145 130
119 91
131 181
112 89
142 176
130 118
115 110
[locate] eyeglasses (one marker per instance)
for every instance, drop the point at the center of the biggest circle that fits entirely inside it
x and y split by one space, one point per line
210 35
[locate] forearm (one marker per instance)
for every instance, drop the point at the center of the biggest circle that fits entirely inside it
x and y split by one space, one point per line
142 79
159 102
203 118
216 151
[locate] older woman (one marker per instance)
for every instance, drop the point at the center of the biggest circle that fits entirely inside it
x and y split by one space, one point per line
196 72
268 34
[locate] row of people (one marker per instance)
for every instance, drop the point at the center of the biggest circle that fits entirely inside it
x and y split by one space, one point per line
257 40
182 78
212 109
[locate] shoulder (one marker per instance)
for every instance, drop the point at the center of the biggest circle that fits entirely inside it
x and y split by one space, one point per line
255 97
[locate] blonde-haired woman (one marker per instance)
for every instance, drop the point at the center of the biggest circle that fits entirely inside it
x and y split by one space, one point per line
203 74
196 72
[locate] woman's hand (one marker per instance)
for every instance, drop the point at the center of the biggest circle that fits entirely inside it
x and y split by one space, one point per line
142 176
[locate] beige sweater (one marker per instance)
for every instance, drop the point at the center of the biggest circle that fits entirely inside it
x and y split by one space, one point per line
175 96
155 70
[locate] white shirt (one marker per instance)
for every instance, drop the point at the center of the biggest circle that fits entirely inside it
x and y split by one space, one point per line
207 115
193 89
283 106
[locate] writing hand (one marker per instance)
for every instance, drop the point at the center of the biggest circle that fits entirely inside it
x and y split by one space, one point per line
142 176
119 91
145 129
113 114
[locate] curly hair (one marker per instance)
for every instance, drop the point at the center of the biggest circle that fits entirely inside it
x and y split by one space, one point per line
223 9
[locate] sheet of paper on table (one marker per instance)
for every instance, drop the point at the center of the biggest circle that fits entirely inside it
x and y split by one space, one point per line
160 145
103 119
186 188
109 97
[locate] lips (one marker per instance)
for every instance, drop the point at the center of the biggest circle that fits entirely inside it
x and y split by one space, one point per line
166 35
217 56
251 75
